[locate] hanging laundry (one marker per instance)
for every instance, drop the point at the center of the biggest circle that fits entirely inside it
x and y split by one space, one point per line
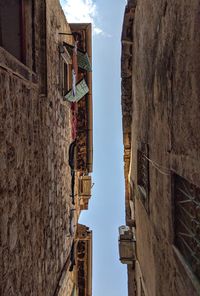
73 83
75 68
83 59
74 58
81 90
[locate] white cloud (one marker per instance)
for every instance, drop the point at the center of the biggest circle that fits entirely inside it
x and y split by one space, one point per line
82 11
98 31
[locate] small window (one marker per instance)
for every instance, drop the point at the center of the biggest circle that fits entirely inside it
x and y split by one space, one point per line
65 79
16 28
11 27
143 174
187 222
65 70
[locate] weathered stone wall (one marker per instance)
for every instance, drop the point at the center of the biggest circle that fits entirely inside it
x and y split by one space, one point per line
165 115
127 105
35 177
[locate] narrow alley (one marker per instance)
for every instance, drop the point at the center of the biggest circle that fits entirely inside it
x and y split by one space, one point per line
99 148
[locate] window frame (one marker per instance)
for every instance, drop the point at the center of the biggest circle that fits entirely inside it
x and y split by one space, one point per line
23 36
26 10
65 79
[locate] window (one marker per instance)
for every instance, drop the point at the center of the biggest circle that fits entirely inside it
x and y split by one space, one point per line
143 174
16 28
65 70
11 26
65 78
187 222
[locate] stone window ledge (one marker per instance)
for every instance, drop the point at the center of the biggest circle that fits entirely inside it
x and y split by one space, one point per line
13 65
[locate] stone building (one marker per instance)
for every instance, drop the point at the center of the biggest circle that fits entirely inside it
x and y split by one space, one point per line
160 106
45 181
78 279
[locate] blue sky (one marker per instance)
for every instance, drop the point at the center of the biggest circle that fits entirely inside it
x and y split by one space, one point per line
106 209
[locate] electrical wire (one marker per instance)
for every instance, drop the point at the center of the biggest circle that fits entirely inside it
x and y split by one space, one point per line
158 167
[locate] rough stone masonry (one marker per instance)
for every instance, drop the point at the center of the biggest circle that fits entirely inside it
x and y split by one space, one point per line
35 177
161 107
